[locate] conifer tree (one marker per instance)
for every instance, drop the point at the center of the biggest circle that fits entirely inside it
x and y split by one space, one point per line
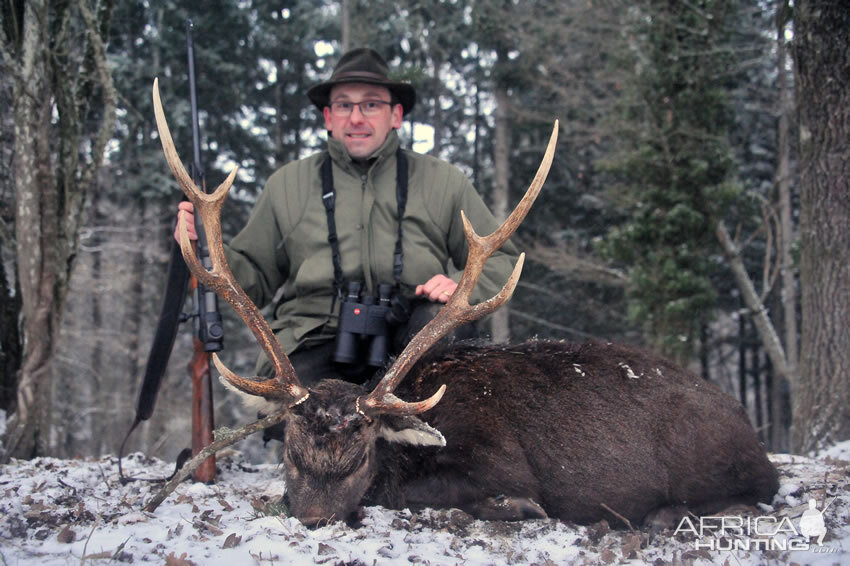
677 167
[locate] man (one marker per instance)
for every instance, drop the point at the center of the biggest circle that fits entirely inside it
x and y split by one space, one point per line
284 254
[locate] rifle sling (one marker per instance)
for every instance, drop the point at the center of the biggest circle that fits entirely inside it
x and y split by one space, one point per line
166 332
163 342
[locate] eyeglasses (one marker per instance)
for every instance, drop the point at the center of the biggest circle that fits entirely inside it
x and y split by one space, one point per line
367 107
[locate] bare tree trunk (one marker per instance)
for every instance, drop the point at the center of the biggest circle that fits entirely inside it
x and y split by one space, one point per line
779 385
49 205
277 136
755 365
134 317
296 126
770 408
35 229
11 348
500 320
437 85
821 414
11 345
783 183
346 25
781 401
476 147
742 359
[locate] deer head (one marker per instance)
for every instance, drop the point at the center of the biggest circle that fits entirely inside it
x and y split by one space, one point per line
332 428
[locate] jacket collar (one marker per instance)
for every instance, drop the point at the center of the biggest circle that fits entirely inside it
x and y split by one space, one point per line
340 156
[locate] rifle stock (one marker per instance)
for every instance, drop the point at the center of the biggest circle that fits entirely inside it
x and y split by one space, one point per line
202 411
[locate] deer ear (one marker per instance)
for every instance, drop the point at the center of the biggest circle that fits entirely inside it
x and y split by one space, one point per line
409 430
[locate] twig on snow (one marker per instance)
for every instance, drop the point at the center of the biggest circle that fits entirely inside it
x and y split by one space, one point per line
224 438
623 519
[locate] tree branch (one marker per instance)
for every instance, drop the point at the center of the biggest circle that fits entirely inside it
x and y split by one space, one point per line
110 97
559 258
224 438
537 320
764 326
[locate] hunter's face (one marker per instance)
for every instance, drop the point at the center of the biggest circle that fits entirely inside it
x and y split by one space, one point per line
362 135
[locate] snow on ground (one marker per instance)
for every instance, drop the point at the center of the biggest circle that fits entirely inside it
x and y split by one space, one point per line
76 512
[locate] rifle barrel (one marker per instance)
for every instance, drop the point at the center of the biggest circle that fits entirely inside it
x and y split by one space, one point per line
197 168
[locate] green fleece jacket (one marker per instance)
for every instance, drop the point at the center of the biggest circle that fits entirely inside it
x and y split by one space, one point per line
283 253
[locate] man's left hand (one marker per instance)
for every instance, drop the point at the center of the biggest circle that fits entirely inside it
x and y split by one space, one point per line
438 289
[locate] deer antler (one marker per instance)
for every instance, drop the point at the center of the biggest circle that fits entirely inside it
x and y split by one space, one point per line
285 385
458 311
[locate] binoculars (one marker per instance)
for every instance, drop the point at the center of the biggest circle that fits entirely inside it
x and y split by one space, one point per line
364 326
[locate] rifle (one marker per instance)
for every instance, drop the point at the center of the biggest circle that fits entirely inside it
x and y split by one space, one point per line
208 335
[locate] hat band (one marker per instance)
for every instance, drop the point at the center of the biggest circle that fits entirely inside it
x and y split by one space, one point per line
360 74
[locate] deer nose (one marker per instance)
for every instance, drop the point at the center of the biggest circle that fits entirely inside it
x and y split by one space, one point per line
315 521
315 516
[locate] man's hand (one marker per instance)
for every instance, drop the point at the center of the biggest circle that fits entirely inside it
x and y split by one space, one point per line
186 211
438 289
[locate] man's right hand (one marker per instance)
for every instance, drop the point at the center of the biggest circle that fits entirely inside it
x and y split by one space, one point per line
186 211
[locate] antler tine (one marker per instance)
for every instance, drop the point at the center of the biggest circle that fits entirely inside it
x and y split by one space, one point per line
285 386
458 311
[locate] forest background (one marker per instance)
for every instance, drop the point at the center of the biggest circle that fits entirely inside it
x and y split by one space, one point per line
697 205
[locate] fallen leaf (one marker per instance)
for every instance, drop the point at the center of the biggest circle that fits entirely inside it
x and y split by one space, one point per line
204 526
66 536
208 517
232 541
607 556
631 544
181 560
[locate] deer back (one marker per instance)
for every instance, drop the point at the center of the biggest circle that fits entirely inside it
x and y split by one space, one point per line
575 426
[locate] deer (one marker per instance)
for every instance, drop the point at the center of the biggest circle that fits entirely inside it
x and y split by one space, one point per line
539 429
